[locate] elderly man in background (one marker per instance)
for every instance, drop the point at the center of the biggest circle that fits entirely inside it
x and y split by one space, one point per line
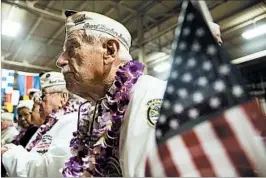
47 150
26 123
8 133
8 130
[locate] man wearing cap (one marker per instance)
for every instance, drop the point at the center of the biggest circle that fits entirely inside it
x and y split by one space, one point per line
118 132
26 123
115 138
48 149
8 133
8 130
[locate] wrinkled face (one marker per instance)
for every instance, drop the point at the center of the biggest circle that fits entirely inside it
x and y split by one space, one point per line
51 100
81 62
24 117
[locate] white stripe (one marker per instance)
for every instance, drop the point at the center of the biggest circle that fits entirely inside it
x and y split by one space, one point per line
246 135
156 167
27 73
182 158
215 151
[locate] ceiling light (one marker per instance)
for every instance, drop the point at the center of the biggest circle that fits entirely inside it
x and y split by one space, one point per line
257 31
10 28
249 57
162 67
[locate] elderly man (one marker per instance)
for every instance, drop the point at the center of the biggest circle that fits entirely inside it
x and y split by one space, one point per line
119 130
47 150
26 123
8 130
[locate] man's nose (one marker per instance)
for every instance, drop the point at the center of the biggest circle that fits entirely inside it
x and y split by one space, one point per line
61 61
220 41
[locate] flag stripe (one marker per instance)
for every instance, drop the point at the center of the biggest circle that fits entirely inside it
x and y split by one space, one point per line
199 157
148 168
36 82
181 157
248 136
156 169
166 158
255 116
214 151
226 134
29 84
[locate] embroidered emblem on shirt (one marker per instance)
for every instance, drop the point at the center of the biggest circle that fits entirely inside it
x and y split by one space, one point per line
44 144
153 112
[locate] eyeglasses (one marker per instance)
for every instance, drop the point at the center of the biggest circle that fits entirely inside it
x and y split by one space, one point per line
47 93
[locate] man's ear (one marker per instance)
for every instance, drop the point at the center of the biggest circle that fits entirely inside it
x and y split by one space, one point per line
112 49
65 97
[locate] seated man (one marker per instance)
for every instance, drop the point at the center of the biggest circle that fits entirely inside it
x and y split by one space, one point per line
47 150
8 130
25 123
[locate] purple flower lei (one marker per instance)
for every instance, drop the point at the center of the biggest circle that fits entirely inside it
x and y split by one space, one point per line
19 136
87 158
50 121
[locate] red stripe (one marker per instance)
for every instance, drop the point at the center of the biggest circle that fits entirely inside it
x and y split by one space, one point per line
167 162
232 147
148 168
198 155
29 81
255 116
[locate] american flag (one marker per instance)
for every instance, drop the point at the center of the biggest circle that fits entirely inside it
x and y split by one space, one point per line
208 125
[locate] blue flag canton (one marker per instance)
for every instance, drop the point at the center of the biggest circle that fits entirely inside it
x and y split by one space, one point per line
202 80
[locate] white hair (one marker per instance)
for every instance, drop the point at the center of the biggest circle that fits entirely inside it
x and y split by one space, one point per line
123 52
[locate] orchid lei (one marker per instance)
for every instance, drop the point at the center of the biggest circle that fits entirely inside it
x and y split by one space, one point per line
91 158
71 106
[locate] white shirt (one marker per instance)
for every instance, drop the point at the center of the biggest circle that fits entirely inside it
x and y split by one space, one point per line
21 163
137 134
8 135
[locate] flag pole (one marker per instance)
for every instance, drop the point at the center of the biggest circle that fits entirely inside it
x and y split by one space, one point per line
202 6
205 10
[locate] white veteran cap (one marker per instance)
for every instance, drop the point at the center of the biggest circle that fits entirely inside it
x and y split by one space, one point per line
25 104
52 79
98 22
33 90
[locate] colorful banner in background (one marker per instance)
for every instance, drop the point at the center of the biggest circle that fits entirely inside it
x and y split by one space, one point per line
26 81
7 88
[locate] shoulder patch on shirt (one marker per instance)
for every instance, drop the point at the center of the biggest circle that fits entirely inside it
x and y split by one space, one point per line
153 112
